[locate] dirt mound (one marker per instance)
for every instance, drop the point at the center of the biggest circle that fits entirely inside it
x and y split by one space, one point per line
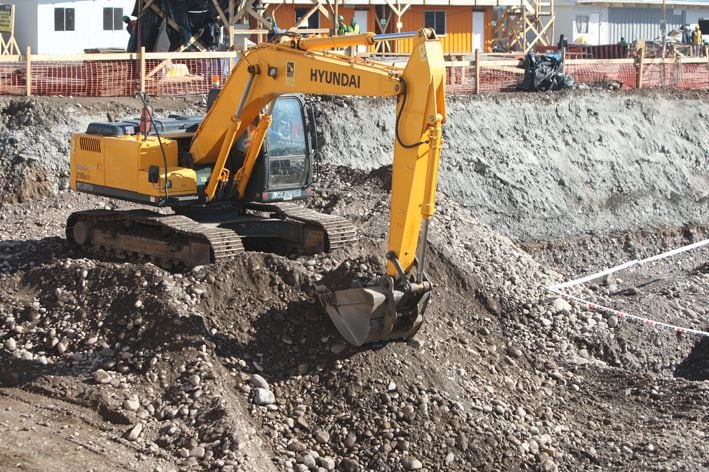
236 366
109 336
23 113
30 143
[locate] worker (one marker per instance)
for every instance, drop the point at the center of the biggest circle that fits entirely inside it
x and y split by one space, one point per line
686 34
623 47
274 32
697 41
342 28
130 28
563 43
130 24
354 27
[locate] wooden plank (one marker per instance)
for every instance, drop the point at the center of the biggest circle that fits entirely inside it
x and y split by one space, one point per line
230 27
250 31
11 58
457 63
124 56
305 18
393 7
641 66
145 8
190 55
257 16
513 70
225 21
688 60
484 63
162 15
193 42
477 72
578 62
242 10
141 71
28 72
121 56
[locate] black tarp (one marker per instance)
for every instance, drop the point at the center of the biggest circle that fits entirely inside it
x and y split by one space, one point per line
195 17
542 73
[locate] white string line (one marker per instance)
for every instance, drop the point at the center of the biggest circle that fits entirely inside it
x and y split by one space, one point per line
629 264
621 314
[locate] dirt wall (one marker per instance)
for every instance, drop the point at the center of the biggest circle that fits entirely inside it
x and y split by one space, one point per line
531 165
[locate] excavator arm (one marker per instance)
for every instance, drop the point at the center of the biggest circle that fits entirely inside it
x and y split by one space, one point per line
393 307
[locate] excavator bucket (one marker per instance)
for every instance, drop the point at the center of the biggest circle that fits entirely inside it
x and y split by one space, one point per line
378 313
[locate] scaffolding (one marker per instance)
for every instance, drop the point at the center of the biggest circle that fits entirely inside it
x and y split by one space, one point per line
524 26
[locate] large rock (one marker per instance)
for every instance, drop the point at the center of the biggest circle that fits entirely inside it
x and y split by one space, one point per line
561 306
263 396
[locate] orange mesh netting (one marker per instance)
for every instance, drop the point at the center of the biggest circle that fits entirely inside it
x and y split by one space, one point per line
12 78
600 73
184 76
676 76
114 78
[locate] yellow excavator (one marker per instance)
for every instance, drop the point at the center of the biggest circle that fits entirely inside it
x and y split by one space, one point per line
231 178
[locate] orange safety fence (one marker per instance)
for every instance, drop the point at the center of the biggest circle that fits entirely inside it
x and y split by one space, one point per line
601 74
172 75
676 76
461 80
113 77
505 78
184 76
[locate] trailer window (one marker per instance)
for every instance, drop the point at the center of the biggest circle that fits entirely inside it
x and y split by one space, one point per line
435 20
63 19
112 19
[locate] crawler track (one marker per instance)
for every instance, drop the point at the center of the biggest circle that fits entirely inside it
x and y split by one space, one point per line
171 239
339 231
177 240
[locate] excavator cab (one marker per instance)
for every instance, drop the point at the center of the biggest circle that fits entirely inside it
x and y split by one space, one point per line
285 167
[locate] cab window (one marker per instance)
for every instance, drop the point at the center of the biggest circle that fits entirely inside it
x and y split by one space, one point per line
286 136
286 145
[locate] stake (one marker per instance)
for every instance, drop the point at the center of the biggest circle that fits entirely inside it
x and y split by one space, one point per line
141 68
477 72
641 66
28 72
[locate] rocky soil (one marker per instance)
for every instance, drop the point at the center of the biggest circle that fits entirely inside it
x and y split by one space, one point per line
110 365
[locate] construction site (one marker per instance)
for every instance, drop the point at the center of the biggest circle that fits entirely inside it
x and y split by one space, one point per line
357 252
